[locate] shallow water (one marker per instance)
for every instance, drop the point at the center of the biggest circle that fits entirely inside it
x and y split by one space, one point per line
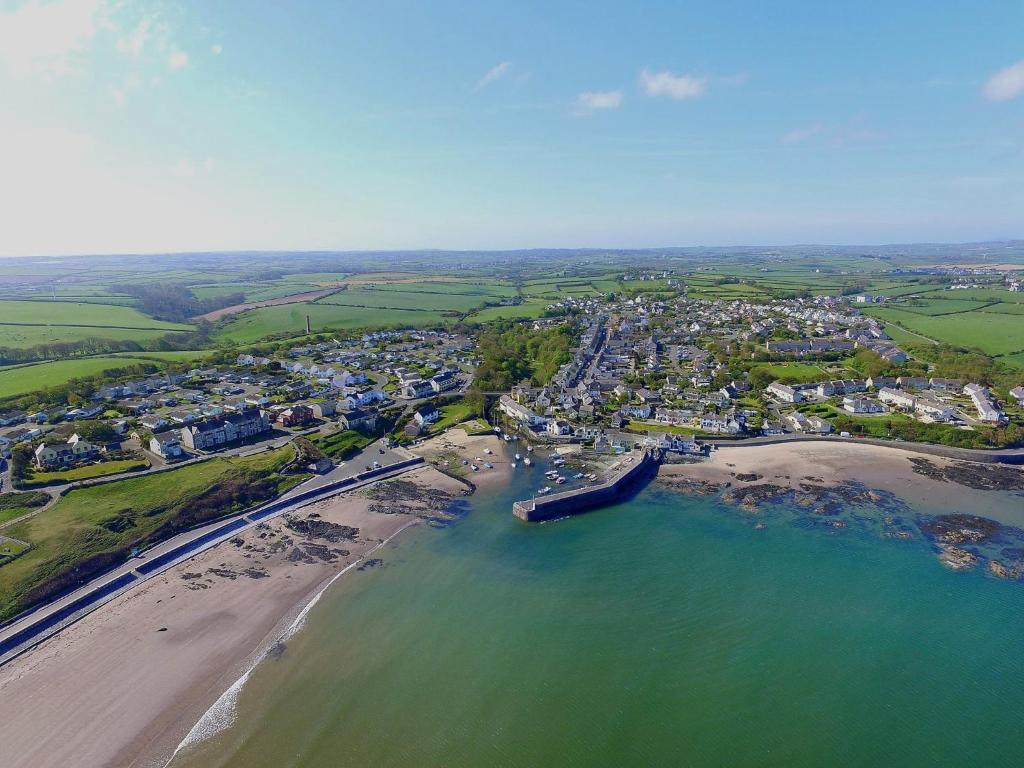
668 630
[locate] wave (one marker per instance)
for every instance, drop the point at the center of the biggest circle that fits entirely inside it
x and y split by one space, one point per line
221 715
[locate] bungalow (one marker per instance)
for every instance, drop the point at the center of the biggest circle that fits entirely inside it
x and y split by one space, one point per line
154 423
357 419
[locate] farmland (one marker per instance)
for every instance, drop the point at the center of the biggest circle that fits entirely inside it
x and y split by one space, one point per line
994 333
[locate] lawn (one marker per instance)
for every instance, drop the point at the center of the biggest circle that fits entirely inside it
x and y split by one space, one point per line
86 472
795 373
454 414
90 529
342 445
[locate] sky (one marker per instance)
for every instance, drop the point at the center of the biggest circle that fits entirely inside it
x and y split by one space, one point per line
148 126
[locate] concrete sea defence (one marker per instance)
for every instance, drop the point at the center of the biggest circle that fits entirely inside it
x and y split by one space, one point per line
582 499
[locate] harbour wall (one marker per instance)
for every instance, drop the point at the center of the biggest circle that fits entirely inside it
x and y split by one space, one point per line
582 499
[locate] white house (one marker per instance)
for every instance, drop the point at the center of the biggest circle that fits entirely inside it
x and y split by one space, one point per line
784 392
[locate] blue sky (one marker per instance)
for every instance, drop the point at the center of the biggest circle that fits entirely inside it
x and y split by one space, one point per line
151 126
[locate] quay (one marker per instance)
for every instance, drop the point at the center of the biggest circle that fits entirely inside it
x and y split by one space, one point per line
578 500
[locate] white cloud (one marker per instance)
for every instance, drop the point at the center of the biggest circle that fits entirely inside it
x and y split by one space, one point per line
47 39
591 101
1005 84
673 86
178 59
216 49
802 134
496 72
135 40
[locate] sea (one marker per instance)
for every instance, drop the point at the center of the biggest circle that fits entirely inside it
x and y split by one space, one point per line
667 630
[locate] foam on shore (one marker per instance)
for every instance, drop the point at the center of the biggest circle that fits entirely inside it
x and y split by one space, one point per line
221 715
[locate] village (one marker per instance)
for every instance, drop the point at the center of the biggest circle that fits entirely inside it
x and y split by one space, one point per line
646 372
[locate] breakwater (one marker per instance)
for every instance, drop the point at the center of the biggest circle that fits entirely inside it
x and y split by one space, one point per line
582 499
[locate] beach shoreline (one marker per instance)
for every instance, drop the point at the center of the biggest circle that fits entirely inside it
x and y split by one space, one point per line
126 684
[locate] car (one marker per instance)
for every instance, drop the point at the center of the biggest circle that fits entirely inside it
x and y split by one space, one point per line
380 450
368 466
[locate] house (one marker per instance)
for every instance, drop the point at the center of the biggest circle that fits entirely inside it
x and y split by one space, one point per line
62 454
425 415
878 382
296 416
416 388
324 410
896 397
637 410
723 425
933 408
558 428
444 382
167 446
946 385
357 418
520 413
912 382
784 392
1017 393
10 418
987 409
862 405
809 424
154 423
667 441
217 432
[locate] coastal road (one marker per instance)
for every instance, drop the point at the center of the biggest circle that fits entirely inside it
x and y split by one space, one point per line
46 620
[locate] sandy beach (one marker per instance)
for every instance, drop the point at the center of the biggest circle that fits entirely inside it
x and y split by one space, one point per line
833 462
123 686
448 450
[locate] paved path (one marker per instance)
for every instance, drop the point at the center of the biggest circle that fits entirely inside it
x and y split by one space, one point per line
46 620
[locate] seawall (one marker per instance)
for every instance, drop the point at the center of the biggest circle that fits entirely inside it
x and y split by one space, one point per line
582 499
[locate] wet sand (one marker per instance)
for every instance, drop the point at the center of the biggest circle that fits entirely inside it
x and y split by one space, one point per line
123 686
831 463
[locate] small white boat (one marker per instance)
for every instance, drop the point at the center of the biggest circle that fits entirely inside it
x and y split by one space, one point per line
518 457
529 449
527 461
513 465
475 467
559 480
543 490
488 466
578 476
508 439
488 451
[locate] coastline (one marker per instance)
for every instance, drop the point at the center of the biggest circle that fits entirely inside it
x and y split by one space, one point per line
831 463
129 682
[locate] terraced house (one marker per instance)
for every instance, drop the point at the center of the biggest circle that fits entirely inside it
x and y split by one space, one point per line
215 433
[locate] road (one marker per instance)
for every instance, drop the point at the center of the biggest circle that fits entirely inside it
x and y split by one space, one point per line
50 618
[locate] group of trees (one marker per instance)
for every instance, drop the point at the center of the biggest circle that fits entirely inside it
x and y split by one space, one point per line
513 353
175 301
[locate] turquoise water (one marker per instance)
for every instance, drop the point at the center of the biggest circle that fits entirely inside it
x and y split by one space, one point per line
664 631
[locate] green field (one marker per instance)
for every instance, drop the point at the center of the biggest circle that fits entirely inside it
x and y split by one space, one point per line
86 472
28 323
528 309
992 333
291 318
90 529
405 300
22 379
13 505
342 445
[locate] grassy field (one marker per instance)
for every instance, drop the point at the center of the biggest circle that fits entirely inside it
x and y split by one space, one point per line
404 300
86 472
456 413
90 529
992 333
528 309
22 379
291 318
795 373
14 505
28 323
